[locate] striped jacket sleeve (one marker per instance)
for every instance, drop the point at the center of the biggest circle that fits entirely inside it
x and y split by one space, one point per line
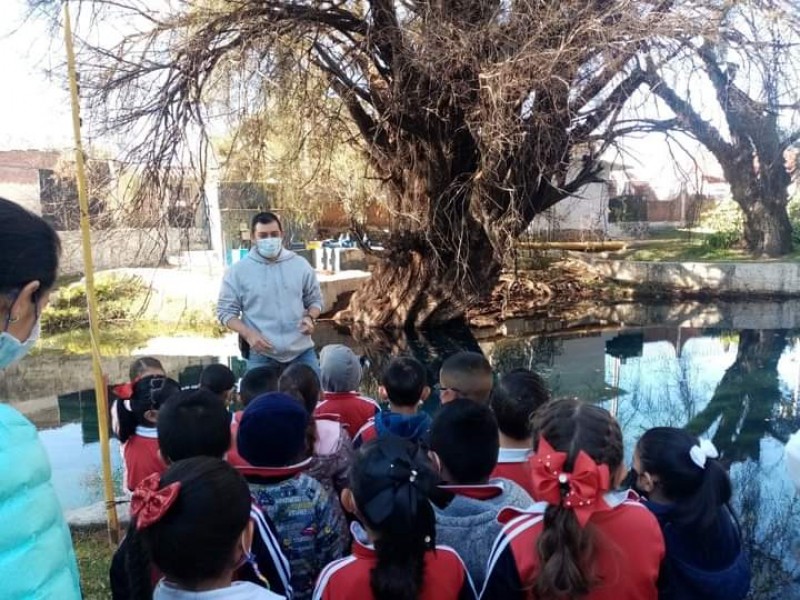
503 581
272 564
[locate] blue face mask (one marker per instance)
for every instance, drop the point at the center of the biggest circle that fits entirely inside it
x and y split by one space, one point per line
12 350
269 247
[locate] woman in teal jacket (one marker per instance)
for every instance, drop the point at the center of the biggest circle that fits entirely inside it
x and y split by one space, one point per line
36 556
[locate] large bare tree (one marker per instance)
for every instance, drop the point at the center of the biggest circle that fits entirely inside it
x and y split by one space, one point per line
736 89
476 114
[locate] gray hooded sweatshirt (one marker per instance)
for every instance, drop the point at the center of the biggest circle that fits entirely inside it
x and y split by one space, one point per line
470 526
272 296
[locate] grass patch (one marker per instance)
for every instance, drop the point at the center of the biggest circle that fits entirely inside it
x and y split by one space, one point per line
684 250
94 554
121 338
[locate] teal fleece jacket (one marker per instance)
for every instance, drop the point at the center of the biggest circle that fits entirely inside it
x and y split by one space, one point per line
36 556
272 296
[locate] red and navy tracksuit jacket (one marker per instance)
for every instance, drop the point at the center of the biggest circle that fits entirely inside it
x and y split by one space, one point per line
140 456
512 463
446 577
352 409
628 550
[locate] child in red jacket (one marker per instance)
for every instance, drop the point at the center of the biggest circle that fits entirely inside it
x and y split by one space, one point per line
395 546
515 399
581 540
340 373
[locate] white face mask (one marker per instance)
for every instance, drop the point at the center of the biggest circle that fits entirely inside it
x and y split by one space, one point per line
269 247
12 350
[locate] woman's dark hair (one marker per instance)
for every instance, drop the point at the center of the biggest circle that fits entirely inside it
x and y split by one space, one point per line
144 364
392 482
514 400
217 379
149 393
29 249
566 549
301 382
697 493
196 539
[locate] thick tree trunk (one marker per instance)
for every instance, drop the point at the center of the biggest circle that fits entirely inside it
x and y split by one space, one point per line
418 286
767 229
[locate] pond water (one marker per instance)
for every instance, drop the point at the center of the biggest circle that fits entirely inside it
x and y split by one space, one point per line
734 380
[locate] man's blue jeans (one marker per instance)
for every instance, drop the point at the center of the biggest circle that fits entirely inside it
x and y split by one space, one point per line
309 357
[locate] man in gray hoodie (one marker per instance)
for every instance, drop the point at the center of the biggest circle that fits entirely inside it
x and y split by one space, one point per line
272 299
464 442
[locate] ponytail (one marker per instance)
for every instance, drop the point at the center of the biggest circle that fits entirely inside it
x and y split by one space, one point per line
137 565
565 552
391 484
584 436
697 492
400 570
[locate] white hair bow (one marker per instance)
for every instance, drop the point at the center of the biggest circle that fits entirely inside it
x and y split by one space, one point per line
699 453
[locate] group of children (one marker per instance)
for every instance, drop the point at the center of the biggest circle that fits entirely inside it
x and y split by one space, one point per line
313 491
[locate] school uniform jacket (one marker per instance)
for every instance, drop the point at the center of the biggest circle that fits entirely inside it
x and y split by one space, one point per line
512 463
352 409
140 455
628 546
445 578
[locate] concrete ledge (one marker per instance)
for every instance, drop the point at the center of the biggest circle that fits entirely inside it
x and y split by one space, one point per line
723 278
94 515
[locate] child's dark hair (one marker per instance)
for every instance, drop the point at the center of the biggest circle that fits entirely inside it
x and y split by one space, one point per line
301 382
195 539
193 423
149 393
258 381
217 379
404 379
464 436
697 493
143 364
471 375
30 249
565 549
391 482
515 398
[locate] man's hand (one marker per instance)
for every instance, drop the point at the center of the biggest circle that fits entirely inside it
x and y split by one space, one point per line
258 343
307 325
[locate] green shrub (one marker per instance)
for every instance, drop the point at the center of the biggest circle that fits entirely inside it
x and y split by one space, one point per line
793 208
725 223
119 299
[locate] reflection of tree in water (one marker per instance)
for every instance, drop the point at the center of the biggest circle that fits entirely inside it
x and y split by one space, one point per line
745 397
535 353
769 535
742 408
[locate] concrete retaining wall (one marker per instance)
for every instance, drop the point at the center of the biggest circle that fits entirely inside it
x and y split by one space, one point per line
734 279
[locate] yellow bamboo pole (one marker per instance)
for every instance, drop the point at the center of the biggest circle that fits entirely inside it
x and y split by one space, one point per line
91 299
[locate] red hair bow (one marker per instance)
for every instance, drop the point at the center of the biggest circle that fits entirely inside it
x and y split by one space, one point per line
580 490
149 503
124 391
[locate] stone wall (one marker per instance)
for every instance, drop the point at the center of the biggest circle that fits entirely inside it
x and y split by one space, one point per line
723 278
119 248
